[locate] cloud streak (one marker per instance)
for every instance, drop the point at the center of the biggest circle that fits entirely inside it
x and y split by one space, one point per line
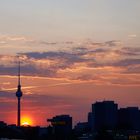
91 61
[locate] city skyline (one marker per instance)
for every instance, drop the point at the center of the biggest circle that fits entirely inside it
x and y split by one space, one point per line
105 120
72 54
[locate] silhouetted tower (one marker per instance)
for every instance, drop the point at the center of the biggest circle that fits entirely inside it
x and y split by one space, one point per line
19 95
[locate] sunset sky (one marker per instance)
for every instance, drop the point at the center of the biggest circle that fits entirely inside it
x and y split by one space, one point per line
73 53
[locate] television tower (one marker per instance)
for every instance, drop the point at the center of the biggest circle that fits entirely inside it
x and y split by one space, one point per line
19 95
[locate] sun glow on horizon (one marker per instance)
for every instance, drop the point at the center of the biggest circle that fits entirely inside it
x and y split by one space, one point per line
26 121
25 124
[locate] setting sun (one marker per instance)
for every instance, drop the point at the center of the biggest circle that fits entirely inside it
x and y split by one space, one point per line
25 121
25 124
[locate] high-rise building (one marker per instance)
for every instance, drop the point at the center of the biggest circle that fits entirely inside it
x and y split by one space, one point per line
90 121
129 118
105 115
19 95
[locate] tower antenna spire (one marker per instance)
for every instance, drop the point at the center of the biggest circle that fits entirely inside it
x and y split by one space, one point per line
19 72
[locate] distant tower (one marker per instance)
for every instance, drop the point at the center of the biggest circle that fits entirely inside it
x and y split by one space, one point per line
19 95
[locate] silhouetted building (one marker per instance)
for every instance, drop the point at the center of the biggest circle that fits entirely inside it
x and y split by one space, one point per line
81 127
62 126
129 118
2 124
105 115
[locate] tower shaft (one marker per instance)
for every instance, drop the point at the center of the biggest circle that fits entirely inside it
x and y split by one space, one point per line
18 113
